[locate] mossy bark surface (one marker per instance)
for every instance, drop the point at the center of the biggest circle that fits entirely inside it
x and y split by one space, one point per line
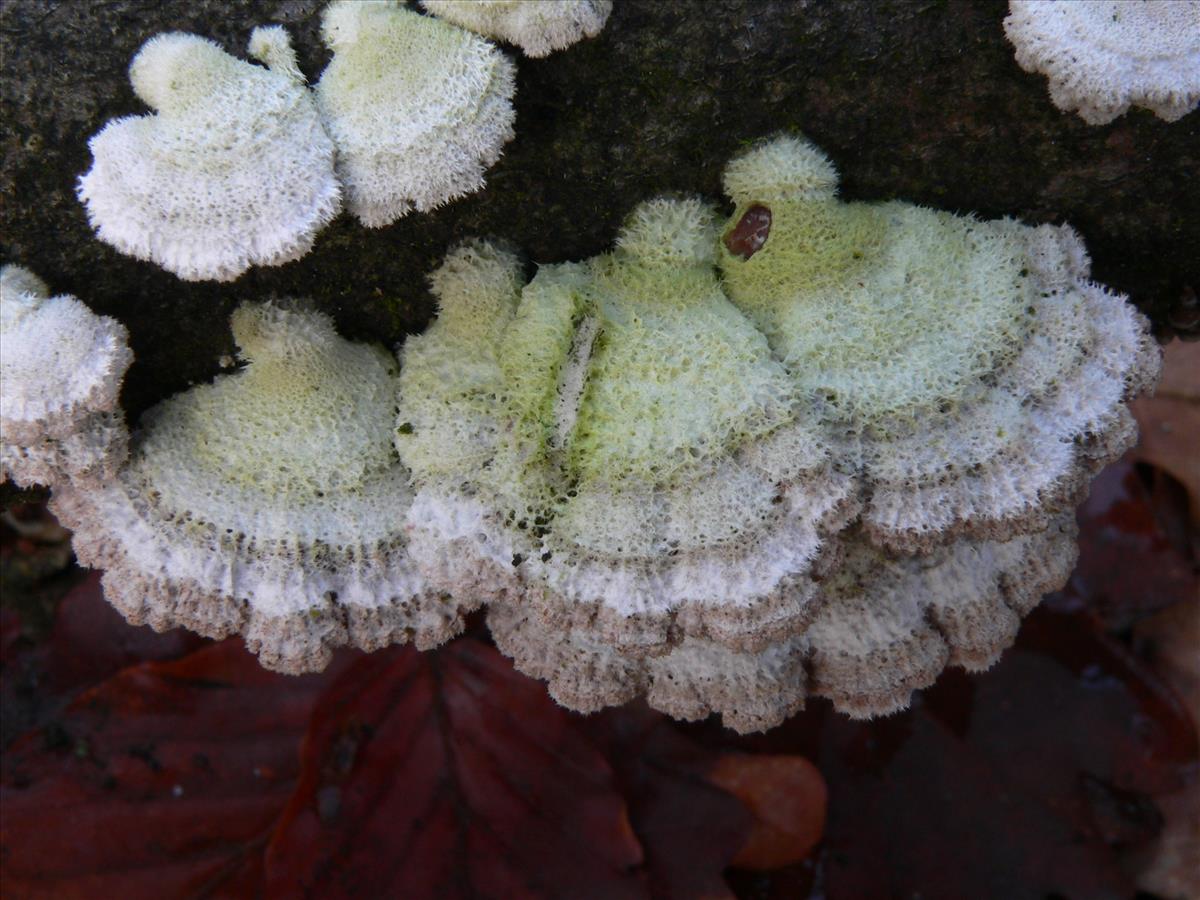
918 100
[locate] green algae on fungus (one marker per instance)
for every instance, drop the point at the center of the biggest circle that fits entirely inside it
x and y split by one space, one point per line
419 108
826 450
968 371
620 448
650 468
269 503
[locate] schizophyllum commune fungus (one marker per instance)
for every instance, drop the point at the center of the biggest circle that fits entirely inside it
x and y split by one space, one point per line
419 108
967 372
847 462
1103 56
61 368
827 450
538 27
233 170
614 444
884 627
269 502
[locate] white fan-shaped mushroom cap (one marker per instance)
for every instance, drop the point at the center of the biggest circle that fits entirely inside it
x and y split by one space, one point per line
419 108
617 446
269 502
968 371
1103 56
886 627
785 167
61 368
233 170
538 27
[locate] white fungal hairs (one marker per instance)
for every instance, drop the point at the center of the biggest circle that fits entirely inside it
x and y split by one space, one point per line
1103 56
61 368
859 471
233 170
269 503
538 27
419 108
618 438
968 371
885 628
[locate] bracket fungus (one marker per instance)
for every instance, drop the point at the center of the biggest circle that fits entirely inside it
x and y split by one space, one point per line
1103 56
826 452
269 502
233 170
61 368
614 445
538 27
419 108
885 626
968 372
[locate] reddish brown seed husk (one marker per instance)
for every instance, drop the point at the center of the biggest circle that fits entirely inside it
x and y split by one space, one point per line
750 233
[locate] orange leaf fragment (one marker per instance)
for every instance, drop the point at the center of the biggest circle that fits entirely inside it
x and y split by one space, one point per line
1170 421
787 797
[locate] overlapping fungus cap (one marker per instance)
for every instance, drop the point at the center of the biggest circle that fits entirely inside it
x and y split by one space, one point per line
419 108
538 27
61 368
233 170
1103 56
968 370
886 627
269 502
633 459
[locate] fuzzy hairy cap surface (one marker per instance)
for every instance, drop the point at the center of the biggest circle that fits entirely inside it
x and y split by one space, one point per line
786 167
617 434
969 370
1103 56
884 628
269 502
538 27
879 310
309 414
61 367
233 170
419 108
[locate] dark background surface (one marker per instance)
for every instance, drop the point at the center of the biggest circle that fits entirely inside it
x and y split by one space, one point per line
957 797
914 100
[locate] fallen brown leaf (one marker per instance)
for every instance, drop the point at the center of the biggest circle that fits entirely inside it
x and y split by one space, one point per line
787 796
1170 420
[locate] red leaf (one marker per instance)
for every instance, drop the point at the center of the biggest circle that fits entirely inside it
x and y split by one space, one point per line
92 641
1170 420
1128 564
446 774
1171 867
10 634
691 830
164 781
1014 784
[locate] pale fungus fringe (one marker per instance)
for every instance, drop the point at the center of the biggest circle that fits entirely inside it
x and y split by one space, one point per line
419 108
61 368
1103 56
538 27
232 170
269 503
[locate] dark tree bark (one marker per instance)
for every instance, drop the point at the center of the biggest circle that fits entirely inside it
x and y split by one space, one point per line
917 100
